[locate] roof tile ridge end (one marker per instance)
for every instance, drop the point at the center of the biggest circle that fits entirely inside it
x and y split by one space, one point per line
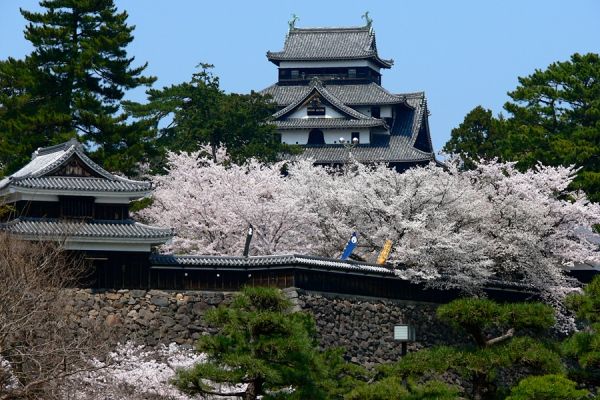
54 148
67 153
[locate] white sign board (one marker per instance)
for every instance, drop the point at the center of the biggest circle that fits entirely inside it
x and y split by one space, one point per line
404 333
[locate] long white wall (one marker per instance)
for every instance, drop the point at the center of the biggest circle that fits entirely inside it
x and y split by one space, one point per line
386 111
331 136
302 113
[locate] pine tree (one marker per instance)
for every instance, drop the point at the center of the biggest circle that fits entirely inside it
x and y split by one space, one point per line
505 340
554 118
200 113
77 76
583 347
28 118
259 343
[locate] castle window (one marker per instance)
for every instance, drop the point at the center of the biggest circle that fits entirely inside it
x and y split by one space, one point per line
376 112
76 207
316 136
295 74
352 73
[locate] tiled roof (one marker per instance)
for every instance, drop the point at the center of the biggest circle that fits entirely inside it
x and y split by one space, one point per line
389 149
56 229
394 148
365 94
330 123
354 95
46 161
82 183
209 262
306 44
317 86
236 263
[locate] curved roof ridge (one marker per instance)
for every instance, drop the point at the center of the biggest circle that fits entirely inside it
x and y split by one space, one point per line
317 85
352 43
56 182
46 160
55 227
331 28
57 147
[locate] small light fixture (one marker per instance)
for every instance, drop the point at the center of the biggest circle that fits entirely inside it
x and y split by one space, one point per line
249 275
404 334
185 274
218 275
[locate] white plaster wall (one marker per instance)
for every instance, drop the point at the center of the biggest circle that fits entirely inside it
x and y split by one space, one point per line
329 113
335 135
332 136
293 136
385 111
363 110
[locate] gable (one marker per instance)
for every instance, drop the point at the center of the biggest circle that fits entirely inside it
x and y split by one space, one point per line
315 106
74 166
315 99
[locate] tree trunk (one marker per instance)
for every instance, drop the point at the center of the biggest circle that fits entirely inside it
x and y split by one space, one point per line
252 391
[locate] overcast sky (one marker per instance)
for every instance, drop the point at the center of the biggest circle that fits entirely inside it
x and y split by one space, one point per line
461 53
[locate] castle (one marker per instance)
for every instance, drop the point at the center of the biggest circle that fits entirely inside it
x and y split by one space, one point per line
330 98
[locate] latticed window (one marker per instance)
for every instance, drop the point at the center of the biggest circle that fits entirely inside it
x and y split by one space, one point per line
76 207
74 168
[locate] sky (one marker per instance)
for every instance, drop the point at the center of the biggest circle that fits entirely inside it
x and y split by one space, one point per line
462 53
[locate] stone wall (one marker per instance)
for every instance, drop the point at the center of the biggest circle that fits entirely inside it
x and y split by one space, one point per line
363 326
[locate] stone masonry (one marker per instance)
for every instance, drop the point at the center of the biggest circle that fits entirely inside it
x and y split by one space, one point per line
362 325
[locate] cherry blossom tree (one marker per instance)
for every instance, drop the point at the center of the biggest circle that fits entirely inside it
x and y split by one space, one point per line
459 228
135 372
449 228
211 204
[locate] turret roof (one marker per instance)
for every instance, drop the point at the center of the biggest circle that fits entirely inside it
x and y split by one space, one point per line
350 94
56 229
322 44
40 173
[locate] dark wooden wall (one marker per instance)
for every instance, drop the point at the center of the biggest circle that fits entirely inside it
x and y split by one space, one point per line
133 271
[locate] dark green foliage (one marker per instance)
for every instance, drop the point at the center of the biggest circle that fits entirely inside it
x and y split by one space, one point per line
199 112
554 119
501 346
547 387
476 316
261 343
137 205
391 388
587 304
73 83
28 115
340 377
479 136
583 347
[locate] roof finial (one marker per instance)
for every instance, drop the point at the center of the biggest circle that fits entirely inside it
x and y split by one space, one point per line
292 21
315 81
368 20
